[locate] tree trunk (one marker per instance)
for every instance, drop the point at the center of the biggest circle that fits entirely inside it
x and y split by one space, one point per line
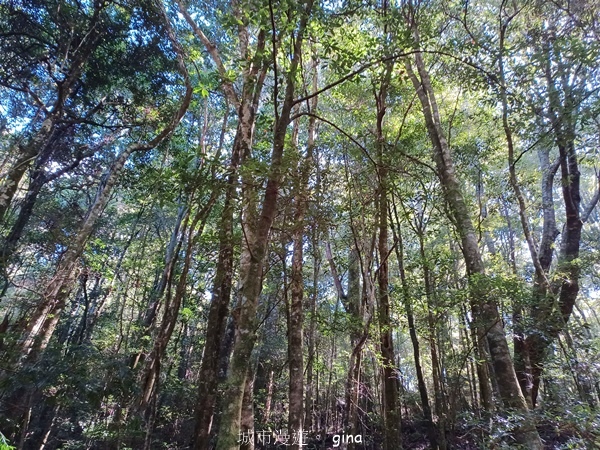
64 90
39 178
554 320
391 407
541 257
247 417
359 333
440 401
296 311
219 305
13 177
171 257
151 371
310 382
256 233
246 105
399 248
43 321
39 328
486 307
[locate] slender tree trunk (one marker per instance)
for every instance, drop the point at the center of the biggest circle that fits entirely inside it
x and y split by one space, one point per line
296 315
162 283
99 304
269 399
247 416
359 334
246 105
171 257
310 381
399 249
219 305
43 321
391 407
581 379
540 257
295 325
468 348
152 369
440 403
553 320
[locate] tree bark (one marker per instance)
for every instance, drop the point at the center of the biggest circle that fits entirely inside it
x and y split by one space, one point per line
247 416
359 333
219 306
550 315
310 381
151 371
440 401
553 321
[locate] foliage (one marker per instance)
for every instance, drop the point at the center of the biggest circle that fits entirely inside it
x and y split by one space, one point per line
122 366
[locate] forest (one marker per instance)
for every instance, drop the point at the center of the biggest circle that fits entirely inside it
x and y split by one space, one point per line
289 224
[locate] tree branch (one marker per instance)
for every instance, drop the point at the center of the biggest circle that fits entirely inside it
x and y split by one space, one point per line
593 202
214 54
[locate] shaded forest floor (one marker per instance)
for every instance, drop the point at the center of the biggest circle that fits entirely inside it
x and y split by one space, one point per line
492 434
414 437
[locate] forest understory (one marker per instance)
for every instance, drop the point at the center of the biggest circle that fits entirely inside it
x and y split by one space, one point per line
260 224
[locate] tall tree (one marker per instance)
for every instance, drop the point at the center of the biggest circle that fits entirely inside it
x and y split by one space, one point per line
485 308
246 104
256 225
391 408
